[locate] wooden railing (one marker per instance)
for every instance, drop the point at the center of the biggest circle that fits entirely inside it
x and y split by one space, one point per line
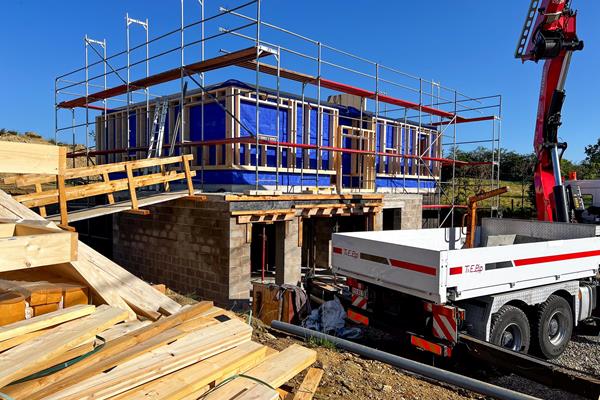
152 171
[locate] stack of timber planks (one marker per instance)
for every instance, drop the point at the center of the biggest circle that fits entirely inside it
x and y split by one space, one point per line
200 351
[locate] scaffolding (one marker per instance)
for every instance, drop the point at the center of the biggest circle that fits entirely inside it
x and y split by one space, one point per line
319 68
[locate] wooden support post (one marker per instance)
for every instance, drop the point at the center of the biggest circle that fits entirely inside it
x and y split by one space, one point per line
300 230
38 189
131 186
110 196
60 185
188 175
166 185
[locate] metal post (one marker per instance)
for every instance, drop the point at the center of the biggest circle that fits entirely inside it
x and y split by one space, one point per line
181 84
257 89
277 121
319 117
56 111
87 109
453 161
376 124
73 132
128 95
304 139
203 94
147 88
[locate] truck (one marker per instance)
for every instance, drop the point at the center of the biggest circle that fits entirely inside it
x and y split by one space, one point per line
522 285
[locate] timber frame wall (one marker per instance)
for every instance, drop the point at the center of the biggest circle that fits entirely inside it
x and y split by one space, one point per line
383 147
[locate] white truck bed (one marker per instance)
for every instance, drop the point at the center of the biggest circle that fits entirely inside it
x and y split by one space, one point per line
430 263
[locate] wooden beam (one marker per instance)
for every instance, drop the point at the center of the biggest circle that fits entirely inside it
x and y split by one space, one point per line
26 359
113 353
44 321
309 385
199 376
275 371
33 246
27 158
195 347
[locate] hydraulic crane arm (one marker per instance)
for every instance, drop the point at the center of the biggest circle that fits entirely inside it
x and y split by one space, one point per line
551 38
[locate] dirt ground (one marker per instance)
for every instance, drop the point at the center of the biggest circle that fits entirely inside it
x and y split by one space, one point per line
347 376
350 376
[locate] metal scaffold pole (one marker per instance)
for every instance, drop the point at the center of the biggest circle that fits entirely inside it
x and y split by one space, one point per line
257 125
181 85
319 116
203 94
277 121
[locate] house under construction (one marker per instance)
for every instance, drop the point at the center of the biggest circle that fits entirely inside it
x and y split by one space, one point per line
349 145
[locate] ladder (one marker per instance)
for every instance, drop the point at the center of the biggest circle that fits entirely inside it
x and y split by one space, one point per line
158 127
177 126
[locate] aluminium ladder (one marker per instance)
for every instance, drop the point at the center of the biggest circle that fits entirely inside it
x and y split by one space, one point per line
158 128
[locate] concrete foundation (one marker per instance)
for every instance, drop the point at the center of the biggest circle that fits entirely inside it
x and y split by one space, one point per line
204 248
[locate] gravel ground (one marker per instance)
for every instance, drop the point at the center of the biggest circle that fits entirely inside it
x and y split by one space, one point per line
532 388
583 354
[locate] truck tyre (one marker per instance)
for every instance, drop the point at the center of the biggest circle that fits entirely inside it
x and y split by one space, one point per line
552 327
510 329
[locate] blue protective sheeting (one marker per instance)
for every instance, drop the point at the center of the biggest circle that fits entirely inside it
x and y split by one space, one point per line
237 177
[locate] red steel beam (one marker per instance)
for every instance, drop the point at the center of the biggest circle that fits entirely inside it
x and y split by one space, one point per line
225 60
252 141
345 88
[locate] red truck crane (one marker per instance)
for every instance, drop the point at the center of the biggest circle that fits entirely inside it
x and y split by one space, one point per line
553 38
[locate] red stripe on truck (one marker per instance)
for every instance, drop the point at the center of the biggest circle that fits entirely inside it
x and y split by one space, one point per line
557 257
424 269
455 270
337 250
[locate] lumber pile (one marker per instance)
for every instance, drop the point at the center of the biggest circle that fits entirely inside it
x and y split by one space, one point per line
200 351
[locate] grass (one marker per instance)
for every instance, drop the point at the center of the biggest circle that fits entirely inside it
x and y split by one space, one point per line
318 342
516 198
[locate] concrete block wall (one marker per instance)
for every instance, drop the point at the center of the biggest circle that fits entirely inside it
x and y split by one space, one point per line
411 206
187 246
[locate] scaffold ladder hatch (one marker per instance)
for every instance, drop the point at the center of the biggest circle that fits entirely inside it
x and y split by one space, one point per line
158 127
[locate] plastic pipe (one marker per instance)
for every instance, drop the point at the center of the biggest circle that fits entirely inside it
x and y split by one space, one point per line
408 365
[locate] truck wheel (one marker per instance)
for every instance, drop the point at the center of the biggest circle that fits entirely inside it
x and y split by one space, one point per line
552 327
510 329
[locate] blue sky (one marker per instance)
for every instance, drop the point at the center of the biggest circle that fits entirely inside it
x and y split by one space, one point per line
467 45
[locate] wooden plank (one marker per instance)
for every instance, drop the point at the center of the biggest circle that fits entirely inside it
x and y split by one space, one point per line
9 343
275 370
34 247
188 175
110 196
27 158
309 385
130 288
193 348
122 329
304 197
114 352
44 321
197 376
131 187
26 358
